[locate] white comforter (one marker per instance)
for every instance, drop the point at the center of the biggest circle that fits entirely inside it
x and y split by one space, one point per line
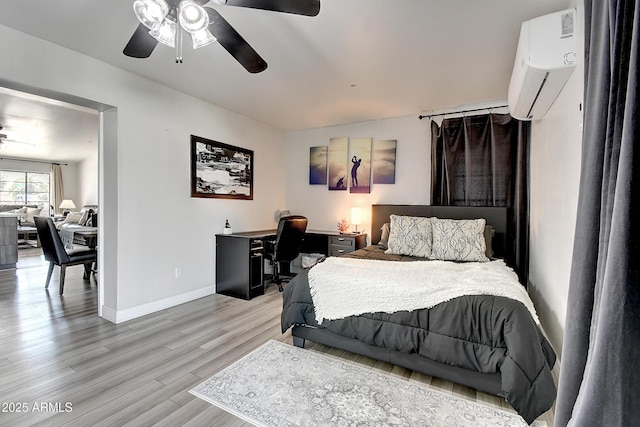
342 287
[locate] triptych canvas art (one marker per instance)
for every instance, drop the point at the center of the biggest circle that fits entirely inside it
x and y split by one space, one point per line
353 164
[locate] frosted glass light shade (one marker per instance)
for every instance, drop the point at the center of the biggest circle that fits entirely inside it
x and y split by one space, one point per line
202 38
150 12
166 34
192 16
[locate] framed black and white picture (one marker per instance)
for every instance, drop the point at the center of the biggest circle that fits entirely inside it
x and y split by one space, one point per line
220 170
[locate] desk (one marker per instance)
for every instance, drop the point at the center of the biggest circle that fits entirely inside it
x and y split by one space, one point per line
240 257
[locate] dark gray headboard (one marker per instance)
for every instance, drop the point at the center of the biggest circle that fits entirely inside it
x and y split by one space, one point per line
495 216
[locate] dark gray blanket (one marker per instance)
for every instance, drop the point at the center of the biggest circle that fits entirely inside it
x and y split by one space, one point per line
483 333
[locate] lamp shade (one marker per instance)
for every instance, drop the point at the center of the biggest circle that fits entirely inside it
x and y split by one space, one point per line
67 204
356 216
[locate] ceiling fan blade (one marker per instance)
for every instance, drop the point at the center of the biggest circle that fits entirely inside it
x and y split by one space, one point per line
297 7
12 143
141 43
233 42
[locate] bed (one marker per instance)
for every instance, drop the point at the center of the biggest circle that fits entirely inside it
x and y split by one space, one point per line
491 343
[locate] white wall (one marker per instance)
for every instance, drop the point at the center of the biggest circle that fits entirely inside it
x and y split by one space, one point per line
157 227
555 174
325 208
87 181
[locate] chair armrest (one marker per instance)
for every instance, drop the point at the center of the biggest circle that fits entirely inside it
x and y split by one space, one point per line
269 247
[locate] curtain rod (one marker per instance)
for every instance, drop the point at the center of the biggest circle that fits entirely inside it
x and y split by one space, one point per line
461 111
34 161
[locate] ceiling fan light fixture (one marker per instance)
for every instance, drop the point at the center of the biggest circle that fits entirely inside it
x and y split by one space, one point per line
166 33
150 12
193 18
202 38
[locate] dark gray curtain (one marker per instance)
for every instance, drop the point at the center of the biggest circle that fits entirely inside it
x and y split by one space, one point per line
483 160
600 371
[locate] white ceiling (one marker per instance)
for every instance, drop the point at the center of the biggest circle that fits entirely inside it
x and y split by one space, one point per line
46 129
357 60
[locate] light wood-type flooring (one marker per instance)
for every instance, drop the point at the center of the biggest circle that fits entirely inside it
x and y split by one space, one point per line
60 364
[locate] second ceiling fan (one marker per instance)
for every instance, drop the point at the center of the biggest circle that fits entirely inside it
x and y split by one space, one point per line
163 21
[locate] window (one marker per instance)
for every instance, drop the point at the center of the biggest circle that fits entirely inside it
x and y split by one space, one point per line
24 188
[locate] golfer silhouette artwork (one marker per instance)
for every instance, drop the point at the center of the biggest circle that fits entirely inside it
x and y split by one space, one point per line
359 179
354 170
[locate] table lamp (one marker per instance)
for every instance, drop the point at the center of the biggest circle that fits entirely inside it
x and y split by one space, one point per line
66 206
356 217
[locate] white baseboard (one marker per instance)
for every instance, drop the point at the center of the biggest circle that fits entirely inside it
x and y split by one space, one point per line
119 316
109 314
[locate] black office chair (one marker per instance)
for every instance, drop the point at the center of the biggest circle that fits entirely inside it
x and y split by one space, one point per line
286 246
55 253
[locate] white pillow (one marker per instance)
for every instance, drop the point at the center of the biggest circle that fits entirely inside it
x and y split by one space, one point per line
22 214
410 235
73 218
30 213
458 240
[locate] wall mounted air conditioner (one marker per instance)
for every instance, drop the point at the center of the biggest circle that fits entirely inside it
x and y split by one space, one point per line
546 57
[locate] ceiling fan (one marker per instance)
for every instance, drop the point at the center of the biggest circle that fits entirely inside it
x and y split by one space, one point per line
163 21
5 141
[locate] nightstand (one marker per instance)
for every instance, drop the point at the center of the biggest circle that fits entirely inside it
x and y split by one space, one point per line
341 244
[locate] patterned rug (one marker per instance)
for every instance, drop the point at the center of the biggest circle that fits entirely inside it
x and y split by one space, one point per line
282 385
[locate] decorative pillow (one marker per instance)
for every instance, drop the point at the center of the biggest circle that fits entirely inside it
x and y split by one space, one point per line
92 221
384 237
410 235
72 218
489 234
84 217
22 214
459 240
30 213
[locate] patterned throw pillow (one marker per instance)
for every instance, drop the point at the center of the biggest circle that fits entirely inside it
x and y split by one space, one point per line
458 240
410 235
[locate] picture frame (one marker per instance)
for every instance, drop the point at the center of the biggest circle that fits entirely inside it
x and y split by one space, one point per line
318 165
384 161
360 165
338 163
220 170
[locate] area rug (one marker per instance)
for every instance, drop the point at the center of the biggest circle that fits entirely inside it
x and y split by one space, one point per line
282 385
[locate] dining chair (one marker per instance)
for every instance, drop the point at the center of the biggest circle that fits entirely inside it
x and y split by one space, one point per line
54 251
